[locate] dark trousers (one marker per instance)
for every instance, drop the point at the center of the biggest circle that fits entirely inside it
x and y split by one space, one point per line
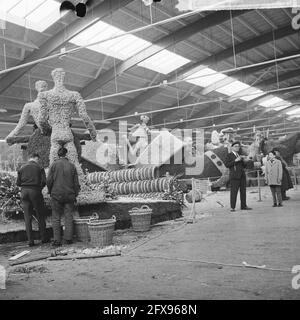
33 199
58 210
276 194
235 186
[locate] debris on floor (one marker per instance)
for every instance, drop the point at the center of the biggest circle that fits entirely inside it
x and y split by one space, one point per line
30 269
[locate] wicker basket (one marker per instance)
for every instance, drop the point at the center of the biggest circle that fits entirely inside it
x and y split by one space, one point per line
81 227
101 231
141 218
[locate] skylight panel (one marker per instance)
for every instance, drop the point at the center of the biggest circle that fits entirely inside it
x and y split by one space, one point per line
125 47
205 77
37 15
85 36
295 115
129 45
6 5
164 62
233 87
46 14
271 101
294 111
279 108
281 105
24 7
120 48
251 94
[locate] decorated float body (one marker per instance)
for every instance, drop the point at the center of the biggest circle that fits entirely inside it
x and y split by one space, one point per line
190 158
111 192
289 147
52 112
172 156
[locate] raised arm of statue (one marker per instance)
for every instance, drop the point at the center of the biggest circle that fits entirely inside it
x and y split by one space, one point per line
44 114
80 105
22 121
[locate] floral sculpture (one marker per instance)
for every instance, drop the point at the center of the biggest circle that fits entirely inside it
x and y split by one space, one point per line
30 109
9 195
57 107
139 132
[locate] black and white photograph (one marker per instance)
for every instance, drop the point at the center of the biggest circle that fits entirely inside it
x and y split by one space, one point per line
149 152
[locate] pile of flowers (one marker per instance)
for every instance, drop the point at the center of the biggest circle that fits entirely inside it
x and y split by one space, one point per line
89 193
93 193
110 193
175 191
10 197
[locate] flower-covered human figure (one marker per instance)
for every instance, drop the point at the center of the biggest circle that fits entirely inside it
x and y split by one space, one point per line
140 132
30 109
57 108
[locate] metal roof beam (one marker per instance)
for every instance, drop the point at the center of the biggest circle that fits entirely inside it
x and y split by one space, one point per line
211 108
219 120
243 46
224 54
241 74
159 45
265 83
265 96
145 20
19 43
101 10
159 117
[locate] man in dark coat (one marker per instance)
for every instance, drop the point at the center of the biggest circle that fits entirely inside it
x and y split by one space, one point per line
63 185
236 164
32 179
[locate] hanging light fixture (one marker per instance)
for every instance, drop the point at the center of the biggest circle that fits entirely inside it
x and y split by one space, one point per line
79 8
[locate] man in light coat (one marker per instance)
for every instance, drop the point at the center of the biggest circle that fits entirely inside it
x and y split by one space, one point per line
273 177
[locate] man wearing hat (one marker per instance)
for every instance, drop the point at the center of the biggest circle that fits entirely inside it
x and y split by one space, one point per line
227 137
237 164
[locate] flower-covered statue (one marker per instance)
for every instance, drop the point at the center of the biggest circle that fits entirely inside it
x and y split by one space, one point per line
57 108
141 129
254 148
228 137
138 132
30 109
215 141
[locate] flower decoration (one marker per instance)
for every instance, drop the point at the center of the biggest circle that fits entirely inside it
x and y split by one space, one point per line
174 191
10 198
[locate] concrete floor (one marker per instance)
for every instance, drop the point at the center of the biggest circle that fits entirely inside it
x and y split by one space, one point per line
168 262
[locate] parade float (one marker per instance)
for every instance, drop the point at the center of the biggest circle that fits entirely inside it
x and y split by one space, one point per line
52 112
148 173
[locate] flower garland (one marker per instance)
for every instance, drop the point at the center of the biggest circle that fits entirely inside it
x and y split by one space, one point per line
175 191
10 197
